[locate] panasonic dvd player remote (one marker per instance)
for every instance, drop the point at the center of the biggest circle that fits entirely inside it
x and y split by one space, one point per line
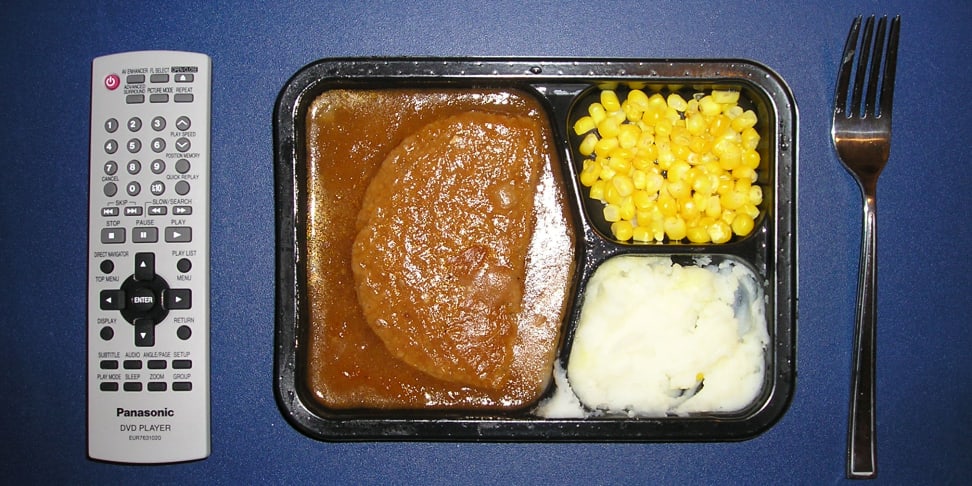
148 258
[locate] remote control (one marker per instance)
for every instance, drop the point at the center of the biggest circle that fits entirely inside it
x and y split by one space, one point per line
148 258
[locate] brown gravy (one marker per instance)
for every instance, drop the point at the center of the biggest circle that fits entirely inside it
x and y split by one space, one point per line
349 135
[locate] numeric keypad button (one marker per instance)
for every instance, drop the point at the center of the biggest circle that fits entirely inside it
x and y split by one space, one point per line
134 167
134 145
158 123
158 145
158 166
134 124
111 125
133 188
111 167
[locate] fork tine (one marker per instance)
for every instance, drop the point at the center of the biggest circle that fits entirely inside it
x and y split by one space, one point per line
865 51
887 86
875 72
846 64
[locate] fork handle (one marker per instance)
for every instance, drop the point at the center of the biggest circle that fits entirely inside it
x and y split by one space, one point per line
861 441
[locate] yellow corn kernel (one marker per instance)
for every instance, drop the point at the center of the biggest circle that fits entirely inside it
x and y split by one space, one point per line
755 195
641 234
676 101
688 209
584 124
597 190
725 96
612 213
632 112
719 232
608 127
697 234
589 174
742 224
628 135
627 209
597 112
604 146
749 138
729 154
713 208
611 195
638 98
667 204
750 159
695 124
733 200
679 189
675 228
746 119
623 184
609 99
622 230
709 107
643 199
732 111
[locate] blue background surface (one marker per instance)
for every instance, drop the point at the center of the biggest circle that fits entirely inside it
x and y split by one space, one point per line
924 341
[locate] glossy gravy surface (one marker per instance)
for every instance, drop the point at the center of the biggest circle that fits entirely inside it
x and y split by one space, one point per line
350 133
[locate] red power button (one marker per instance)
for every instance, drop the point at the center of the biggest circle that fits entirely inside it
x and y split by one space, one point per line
112 81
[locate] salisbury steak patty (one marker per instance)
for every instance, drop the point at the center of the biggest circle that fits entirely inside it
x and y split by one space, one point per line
442 238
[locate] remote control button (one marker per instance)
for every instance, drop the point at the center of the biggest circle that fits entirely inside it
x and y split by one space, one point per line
141 300
182 188
144 266
132 364
157 210
178 234
112 82
157 166
132 386
178 299
158 188
112 299
145 235
107 333
134 145
184 265
156 386
156 364
108 386
181 210
111 125
159 78
107 266
135 78
134 124
135 99
111 189
111 146
184 78
182 386
158 145
111 167
109 211
144 333
183 98
181 364
182 166
183 144
112 235
158 98
133 167
184 332
158 123
133 211
108 364
183 123
133 188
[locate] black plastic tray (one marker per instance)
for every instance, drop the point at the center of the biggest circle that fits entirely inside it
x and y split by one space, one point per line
561 85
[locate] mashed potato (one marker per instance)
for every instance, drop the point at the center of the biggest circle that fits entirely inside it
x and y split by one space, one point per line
656 338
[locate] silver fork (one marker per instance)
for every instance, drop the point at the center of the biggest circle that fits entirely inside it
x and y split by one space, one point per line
862 137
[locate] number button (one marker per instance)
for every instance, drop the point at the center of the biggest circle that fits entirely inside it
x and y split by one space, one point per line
134 145
158 123
134 124
157 188
158 145
158 166
111 125
111 167
134 167
111 146
133 188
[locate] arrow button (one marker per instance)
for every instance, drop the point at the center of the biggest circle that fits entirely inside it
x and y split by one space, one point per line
112 299
178 299
144 266
178 234
144 333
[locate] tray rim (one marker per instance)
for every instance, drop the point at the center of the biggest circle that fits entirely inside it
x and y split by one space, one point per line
526 71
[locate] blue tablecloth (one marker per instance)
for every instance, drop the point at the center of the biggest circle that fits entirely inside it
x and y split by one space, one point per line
924 340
